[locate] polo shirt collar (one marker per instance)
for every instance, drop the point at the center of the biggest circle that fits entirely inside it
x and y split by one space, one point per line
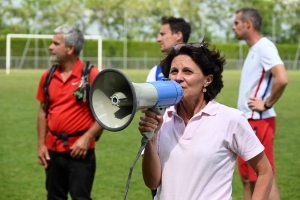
211 108
76 72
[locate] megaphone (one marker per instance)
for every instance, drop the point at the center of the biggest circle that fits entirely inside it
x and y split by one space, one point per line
114 99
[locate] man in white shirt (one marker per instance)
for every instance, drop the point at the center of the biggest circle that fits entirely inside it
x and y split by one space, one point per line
263 81
173 31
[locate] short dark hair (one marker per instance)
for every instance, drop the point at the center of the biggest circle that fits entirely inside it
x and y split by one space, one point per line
178 25
253 15
209 62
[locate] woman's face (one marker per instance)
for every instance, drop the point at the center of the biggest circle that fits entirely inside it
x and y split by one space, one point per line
185 71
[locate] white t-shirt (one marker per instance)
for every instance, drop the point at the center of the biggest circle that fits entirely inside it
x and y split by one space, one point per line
256 79
152 76
198 160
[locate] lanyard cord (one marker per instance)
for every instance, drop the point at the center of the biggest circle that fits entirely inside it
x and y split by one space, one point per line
143 144
144 141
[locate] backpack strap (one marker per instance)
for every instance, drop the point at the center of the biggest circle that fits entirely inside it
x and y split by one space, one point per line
86 74
86 71
81 93
86 78
45 88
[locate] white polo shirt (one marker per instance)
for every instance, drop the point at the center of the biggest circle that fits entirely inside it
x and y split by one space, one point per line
198 160
256 79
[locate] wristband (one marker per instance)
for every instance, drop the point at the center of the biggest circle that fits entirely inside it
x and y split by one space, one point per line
267 107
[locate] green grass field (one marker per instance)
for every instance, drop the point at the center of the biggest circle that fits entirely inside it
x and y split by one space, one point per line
21 178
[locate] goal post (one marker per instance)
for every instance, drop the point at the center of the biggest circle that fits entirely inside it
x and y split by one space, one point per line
38 36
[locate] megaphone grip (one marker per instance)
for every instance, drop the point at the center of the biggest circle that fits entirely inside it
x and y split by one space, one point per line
159 111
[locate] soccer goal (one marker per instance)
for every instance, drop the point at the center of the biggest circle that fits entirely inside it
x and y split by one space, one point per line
9 37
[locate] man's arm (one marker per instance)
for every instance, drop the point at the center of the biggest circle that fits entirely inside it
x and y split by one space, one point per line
43 154
81 146
279 84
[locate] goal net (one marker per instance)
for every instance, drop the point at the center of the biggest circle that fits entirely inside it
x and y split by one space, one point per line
36 55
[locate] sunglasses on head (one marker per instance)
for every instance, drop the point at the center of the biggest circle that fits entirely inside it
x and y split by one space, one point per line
196 45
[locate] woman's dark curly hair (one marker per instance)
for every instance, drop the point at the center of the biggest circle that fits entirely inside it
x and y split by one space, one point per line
209 61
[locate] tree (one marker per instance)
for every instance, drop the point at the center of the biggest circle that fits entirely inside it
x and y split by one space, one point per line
109 15
192 12
144 20
290 16
43 16
140 20
4 16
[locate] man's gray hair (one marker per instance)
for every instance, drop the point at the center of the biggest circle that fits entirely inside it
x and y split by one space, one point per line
251 14
72 36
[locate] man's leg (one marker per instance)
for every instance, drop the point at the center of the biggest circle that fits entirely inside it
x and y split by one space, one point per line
57 177
266 134
82 172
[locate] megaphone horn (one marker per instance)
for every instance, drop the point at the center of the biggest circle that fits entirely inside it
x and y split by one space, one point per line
114 99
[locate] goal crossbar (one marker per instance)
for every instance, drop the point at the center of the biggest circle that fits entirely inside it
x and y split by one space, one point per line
37 36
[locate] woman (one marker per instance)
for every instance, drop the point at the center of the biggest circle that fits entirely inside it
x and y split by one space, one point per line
193 151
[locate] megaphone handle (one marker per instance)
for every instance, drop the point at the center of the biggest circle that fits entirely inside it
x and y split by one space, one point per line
159 111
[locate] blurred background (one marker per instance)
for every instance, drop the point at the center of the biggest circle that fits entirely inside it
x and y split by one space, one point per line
129 28
126 32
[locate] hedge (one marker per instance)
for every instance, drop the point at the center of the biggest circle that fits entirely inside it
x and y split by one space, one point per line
114 48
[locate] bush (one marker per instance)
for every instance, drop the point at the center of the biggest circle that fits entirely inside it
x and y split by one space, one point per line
115 48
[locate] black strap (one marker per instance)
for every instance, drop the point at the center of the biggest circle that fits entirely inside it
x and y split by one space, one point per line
86 75
86 71
64 136
45 88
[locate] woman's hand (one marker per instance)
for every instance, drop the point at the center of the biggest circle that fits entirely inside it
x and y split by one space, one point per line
150 122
